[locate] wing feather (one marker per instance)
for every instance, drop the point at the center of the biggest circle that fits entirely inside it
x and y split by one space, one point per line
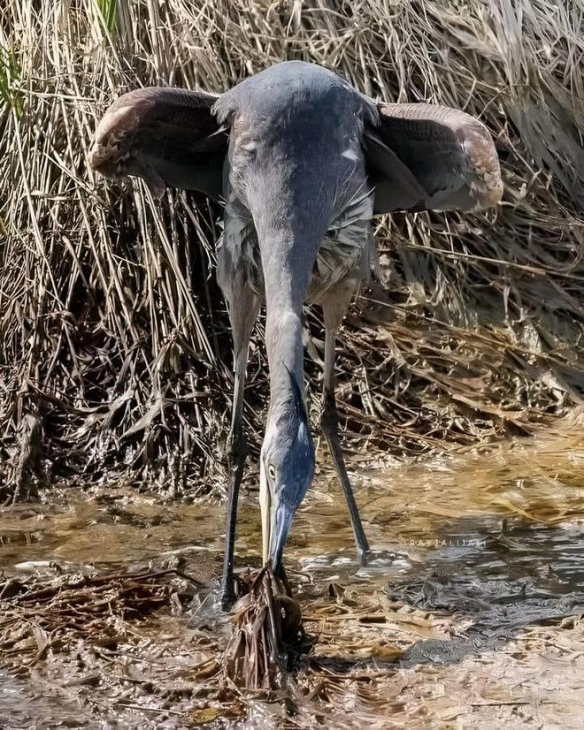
449 153
166 136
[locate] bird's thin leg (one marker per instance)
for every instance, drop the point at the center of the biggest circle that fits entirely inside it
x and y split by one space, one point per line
243 306
333 314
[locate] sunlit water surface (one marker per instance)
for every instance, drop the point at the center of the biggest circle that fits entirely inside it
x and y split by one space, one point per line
510 515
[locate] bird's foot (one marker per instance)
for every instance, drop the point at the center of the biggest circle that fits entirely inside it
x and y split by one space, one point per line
364 556
227 596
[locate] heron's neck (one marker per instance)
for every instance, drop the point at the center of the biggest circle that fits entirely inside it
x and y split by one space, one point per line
285 349
288 251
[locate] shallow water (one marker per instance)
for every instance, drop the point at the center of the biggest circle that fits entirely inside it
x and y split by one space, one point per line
496 537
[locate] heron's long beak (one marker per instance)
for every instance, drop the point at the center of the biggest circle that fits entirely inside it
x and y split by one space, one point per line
265 506
276 522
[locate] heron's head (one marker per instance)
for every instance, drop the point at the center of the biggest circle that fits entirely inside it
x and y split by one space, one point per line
286 471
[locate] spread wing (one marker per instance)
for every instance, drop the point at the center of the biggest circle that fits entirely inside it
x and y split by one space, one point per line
167 136
431 157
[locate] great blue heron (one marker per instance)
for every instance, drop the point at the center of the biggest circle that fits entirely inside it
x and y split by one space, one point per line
303 162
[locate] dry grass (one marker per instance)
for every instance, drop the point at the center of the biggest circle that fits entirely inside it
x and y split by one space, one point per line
116 354
43 615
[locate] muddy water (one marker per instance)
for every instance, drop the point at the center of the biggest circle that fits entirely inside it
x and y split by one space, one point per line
494 538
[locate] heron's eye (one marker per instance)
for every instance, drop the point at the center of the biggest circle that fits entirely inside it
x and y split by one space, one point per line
272 472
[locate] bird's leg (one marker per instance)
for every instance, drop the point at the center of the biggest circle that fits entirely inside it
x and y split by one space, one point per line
334 309
243 306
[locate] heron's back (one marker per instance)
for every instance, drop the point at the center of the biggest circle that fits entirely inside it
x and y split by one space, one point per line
296 158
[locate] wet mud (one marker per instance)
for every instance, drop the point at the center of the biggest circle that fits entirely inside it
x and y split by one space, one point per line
468 614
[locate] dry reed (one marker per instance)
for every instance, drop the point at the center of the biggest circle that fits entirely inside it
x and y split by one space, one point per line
116 355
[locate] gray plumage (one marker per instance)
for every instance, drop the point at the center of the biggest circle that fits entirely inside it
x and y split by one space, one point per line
303 161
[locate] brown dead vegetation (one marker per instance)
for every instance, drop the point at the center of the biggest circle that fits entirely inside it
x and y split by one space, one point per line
116 353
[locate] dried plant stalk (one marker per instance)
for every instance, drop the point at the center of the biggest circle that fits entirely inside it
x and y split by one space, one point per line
114 333
267 625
